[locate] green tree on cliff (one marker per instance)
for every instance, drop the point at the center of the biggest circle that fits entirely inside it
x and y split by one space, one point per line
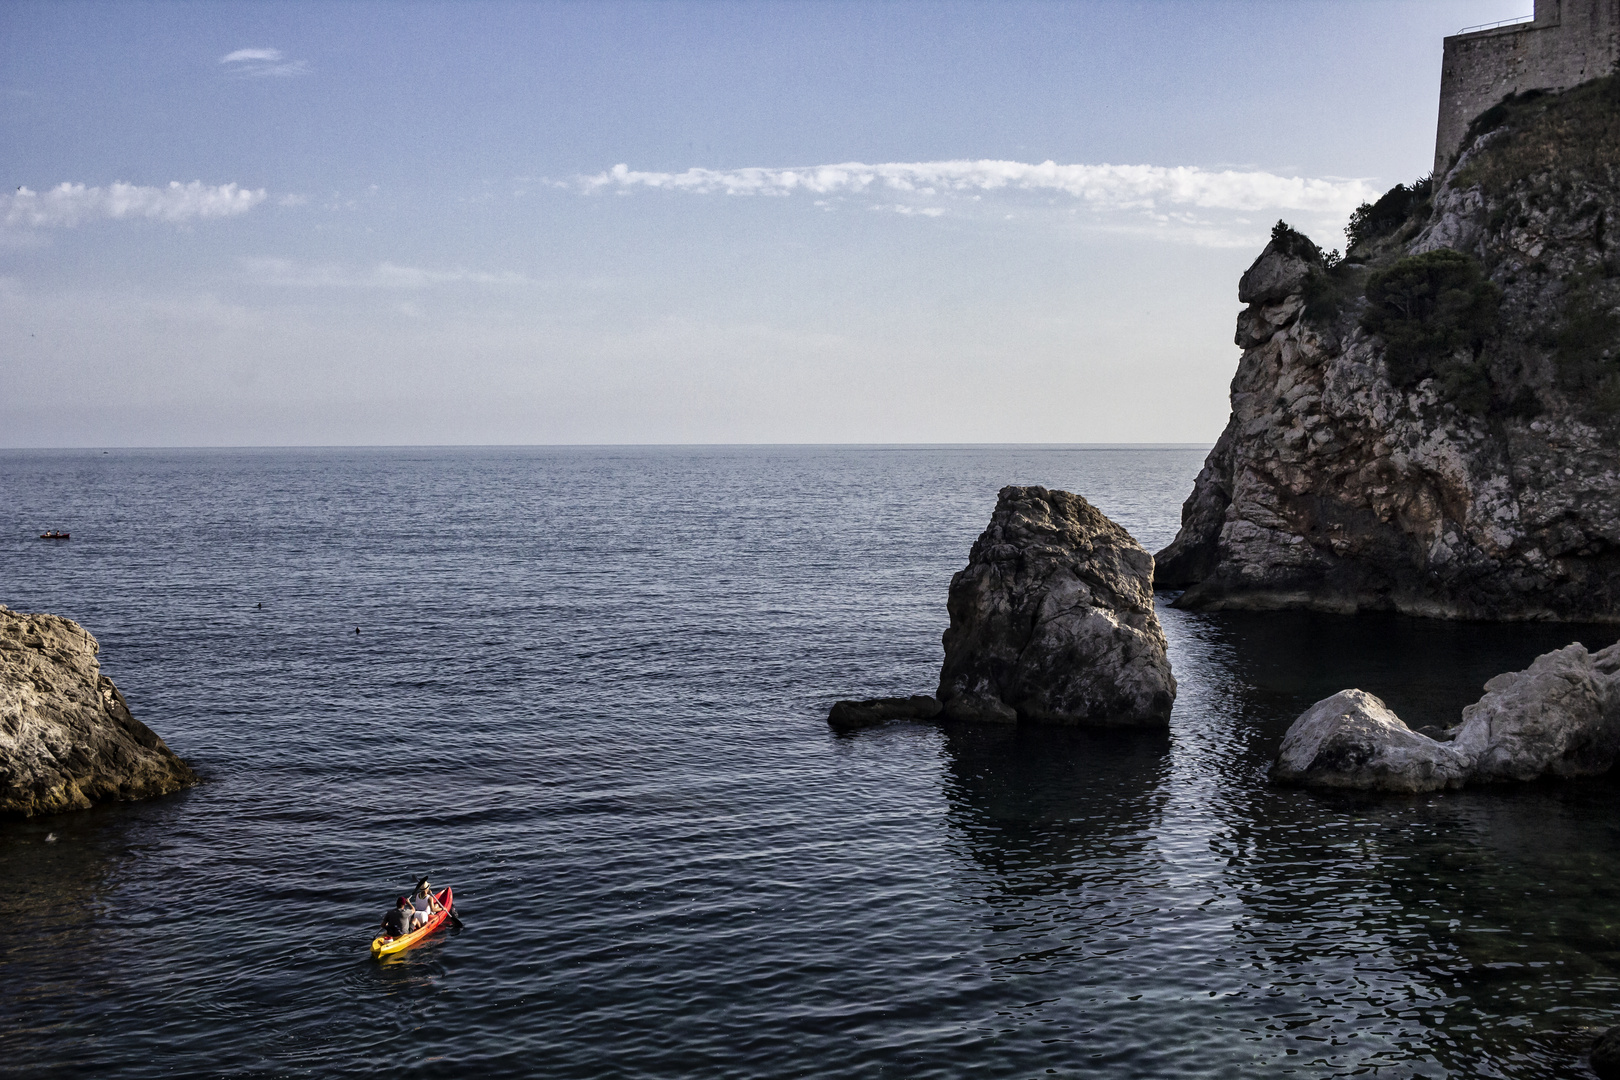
1435 312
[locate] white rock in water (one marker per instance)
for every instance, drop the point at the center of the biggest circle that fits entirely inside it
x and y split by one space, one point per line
1353 740
1558 717
1052 621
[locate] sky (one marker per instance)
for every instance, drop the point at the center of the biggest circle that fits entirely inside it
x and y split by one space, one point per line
246 224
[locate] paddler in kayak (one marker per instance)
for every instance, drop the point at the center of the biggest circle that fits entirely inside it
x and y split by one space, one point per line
397 923
423 904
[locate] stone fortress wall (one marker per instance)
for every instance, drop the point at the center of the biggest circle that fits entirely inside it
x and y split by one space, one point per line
1565 44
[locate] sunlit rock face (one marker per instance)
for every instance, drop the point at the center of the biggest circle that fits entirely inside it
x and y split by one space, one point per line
1439 465
1052 621
67 739
1353 740
1560 717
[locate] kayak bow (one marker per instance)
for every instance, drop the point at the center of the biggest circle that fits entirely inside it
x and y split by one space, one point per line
385 945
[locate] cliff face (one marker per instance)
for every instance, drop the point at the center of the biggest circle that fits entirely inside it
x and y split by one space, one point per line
1432 424
67 739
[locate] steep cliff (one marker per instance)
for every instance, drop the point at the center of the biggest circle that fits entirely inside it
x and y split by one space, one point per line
67 739
1432 424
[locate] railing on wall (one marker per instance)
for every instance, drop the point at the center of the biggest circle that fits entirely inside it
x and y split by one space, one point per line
1494 25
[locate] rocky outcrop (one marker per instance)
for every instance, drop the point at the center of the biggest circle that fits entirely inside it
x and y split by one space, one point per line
67 739
1052 620
1560 717
1352 740
1453 452
854 715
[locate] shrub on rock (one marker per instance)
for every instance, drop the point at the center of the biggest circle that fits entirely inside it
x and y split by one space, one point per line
1434 312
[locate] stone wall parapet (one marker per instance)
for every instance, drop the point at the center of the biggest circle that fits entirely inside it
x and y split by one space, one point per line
1565 43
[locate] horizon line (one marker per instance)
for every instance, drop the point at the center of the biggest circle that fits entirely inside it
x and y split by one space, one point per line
627 446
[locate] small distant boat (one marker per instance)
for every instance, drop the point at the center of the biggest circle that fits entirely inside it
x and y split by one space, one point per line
383 945
54 535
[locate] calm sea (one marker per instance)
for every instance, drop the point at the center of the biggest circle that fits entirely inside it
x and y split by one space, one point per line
589 691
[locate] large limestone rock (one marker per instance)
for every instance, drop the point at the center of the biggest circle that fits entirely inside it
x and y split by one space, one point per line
1559 717
1280 272
1052 620
1340 485
67 739
1353 740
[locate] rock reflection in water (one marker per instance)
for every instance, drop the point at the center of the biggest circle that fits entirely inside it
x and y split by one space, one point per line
1279 663
1037 803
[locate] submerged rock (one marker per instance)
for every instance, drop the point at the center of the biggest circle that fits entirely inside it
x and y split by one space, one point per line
1558 717
1353 740
1605 1056
853 715
1052 620
67 739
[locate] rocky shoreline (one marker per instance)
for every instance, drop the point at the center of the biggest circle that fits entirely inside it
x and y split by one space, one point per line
67 738
1429 425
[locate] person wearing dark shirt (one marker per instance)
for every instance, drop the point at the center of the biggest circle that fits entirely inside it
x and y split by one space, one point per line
397 923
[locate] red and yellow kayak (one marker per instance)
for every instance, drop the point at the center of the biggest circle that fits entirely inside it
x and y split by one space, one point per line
384 945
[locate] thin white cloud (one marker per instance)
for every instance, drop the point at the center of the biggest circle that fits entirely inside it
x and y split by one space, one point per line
415 277
68 204
250 54
384 275
1100 187
256 63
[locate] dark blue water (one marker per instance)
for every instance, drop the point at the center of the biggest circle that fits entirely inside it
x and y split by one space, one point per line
590 692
